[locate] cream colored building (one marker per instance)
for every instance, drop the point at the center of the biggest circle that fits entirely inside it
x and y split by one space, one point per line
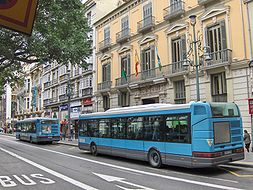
147 29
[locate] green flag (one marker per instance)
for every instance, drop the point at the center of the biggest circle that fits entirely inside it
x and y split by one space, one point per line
123 74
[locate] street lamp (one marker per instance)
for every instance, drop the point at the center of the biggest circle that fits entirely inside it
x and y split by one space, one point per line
194 46
250 66
69 98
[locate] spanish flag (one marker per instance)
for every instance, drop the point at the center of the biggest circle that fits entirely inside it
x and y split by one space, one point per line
137 62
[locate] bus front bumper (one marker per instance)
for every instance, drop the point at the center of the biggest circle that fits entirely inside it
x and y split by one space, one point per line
210 162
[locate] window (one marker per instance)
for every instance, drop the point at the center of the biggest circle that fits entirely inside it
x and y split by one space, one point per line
124 26
93 130
63 89
153 128
219 87
106 72
124 99
178 129
176 5
180 97
147 15
106 102
217 41
27 103
134 128
83 130
125 64
104 129
148 58
118 128
106 36
62 70
178 53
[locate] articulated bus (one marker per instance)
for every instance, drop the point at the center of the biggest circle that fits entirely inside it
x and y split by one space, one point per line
38 130
194 135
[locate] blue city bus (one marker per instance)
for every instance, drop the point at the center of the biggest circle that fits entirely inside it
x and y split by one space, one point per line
194 135
38 130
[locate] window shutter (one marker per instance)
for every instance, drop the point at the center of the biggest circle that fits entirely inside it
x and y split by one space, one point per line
128 65
183 46
207 42
143 60
119 99
153 57
223 34
109 72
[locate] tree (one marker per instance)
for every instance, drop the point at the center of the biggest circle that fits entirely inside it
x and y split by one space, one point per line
60 34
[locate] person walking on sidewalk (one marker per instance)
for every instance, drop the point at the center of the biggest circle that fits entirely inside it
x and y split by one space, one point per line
247 140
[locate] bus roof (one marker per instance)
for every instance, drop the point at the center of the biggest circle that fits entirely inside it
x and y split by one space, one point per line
138 109
37 118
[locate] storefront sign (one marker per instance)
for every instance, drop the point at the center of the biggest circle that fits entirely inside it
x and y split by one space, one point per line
75 104
55 109
63 107
250 102
18 15
87 102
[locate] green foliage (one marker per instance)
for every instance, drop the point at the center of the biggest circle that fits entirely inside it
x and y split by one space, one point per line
59 34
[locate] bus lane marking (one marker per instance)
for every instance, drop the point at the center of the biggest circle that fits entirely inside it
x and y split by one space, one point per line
109 179
135 170
50 171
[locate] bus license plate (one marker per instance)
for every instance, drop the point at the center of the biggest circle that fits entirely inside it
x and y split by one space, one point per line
49 137
227 152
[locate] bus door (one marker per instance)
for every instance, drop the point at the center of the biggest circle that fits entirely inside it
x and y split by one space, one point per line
118 142
153 134
104 141
134 138
178 146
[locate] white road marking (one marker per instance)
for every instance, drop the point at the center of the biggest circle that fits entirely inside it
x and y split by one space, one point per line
132 173
52 172
109 178
137 171
192 175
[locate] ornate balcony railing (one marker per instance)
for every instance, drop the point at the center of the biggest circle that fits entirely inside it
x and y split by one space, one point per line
204 2
123 35
47 84
146 24
54 81
75 94
174 10
63 97
104 86
219 57
178 67
105 44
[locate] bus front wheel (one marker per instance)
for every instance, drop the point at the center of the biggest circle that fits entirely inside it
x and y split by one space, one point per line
154 158
93 149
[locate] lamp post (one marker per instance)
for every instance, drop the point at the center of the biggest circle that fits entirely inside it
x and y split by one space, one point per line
250 66
69 98
196 43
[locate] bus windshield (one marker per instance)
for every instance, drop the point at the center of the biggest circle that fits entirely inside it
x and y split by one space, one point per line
224 110
49 122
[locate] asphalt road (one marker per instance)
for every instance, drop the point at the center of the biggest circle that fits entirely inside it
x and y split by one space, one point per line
25 166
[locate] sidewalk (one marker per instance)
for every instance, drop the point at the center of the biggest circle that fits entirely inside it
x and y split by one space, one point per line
73 142
247 162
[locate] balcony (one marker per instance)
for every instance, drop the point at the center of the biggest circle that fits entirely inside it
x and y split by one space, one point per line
177 67
47 84
63 97
63 77
145 76
204 2
75 94
174 10
54 81
88 69
220 98
123 36
54 99
87 92
47 102
105 86
104 45
219 58
76 72
146 24
47 68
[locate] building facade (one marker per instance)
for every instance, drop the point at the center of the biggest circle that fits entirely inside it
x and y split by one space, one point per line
143 45
56 76
29 95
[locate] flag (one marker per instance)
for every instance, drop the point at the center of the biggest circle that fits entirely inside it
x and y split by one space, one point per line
158 59
123 74
136 63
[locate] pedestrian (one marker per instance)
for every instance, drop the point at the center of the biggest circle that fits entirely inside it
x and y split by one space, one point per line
247 140
71 132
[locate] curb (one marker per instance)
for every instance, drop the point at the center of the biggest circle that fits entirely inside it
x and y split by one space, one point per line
68 144
242 164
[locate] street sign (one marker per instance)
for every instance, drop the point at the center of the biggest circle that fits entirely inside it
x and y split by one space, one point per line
18 15
250 102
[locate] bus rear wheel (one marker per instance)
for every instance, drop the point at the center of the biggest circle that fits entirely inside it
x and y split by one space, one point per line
93 149
154 158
